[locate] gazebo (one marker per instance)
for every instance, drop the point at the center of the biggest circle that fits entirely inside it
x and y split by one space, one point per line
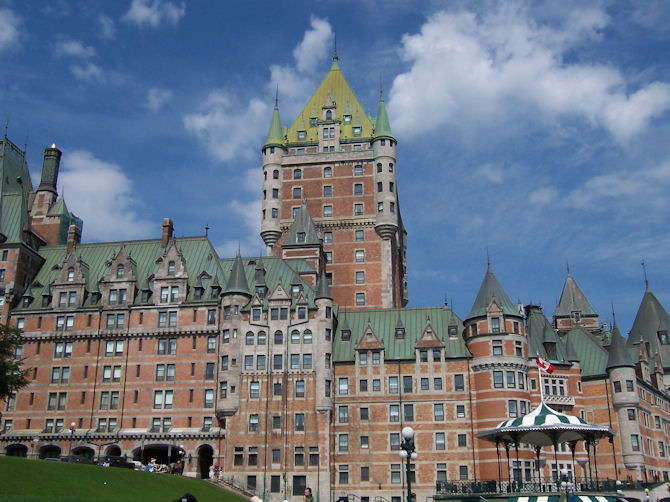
545 426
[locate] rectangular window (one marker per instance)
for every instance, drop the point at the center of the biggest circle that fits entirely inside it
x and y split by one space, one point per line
460 411
327 211
407 384
300 388
408 410
438 412
360 277
440 443
459 382
498 379
358 188
343 386
394 413
358 209
393 385
394 441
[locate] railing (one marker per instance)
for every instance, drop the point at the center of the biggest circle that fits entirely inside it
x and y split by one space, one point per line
519 486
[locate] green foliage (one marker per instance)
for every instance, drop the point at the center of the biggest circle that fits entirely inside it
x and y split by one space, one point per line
41 481
12 377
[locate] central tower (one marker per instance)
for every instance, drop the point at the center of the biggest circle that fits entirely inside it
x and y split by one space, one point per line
342 164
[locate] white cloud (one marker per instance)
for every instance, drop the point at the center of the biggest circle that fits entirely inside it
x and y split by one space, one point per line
101 194
73 48
87 72
251 244
492 173
472 69
543 196
154 13
10 23
107 27
157 97
316 41
231 127
227 128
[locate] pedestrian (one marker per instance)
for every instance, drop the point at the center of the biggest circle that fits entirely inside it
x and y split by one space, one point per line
211 471
308 495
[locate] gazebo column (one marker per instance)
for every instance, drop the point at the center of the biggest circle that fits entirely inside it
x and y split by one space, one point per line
509 479
518 464
499 469
595 462
588 455
537 461
573 445
554 440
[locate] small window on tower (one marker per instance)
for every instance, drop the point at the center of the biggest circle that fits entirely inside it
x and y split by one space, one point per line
329 115
313 121
300 237
347 119
302 135
357 131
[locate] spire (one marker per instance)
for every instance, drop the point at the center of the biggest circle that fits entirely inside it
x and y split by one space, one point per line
275 136
573 300
382 124
302 231
618 356
335 58
322 288
489 290
646 280
237 283
650 319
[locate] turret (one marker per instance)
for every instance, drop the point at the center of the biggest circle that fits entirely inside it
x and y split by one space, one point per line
324 349
50 167
273 151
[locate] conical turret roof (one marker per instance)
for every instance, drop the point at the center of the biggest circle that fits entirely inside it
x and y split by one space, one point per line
382 124
275 136
302 224
618 356
237 283
490 289
322 288
573 300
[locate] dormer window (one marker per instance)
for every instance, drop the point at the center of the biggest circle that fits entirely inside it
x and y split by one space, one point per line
120 271
346 335
347 119
357 131
576 316
216 291
329 115
400 333
302 135
300 237
495 325
663 337
70 275
453 330
313 121
171 268
260 274
295 290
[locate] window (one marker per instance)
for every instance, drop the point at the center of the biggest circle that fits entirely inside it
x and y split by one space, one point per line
631 413
365 413
70 275
358 170
460 411
358 209
512 409
300 388
359 255
463 472
393 385
394 440
425 384
617 386
497 347
408 411
343 442
394 413
327 191
327 172
635 442
360 277
356 131
498 379
360 299
327 211
358 188
511 380
438 412
407 386
297 193
495 325
343 386
440 442
629 385
254 389
343 414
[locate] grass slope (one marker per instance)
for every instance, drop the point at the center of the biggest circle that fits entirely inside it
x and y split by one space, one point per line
24 480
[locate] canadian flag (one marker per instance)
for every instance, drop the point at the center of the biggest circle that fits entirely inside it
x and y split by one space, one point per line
545 366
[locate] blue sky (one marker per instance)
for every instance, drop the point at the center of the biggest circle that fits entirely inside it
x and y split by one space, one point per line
538 131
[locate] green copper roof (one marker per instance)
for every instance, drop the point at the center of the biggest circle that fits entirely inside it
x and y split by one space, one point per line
383 324
573 300
13 215
650 319
335 85
237 282
302 225
592 356
275 136
539 331
619 355
382 124
490 289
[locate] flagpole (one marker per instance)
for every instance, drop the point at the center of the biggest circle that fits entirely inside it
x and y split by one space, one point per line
539 373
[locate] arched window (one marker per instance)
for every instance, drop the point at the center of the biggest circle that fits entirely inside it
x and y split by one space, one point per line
329 115
250 338
297 174
70 274
307 336
279 337
120 271
295 336
261 338
327 172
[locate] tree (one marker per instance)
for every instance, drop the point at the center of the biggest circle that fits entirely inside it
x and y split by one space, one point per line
12 377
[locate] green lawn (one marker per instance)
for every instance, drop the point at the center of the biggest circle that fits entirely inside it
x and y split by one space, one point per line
24 480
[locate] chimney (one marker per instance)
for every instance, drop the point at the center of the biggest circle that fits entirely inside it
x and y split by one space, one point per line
73 237
168 228
50 167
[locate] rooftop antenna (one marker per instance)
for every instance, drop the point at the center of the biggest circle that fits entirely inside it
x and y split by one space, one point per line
25 144
206 229
644 268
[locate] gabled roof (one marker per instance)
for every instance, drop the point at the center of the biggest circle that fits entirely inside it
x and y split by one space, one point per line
384 321
619 356
382 124
592 356
489 290
650 319
540 331
304 224
237 282
572 299
333 85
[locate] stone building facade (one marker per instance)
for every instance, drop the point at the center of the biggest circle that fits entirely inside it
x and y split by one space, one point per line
275 369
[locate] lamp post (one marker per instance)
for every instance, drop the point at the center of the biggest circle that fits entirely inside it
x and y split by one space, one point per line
408 452
73 428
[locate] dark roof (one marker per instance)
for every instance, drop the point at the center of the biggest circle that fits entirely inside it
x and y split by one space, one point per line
539 331
618 356
237 282
322 288
490 289
572 300
650 319
302 224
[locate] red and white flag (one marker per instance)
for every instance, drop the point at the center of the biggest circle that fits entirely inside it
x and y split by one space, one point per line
545 366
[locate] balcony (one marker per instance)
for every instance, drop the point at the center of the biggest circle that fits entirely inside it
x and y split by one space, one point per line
559 400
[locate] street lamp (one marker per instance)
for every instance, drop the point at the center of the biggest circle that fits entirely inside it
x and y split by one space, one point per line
408 452
73 427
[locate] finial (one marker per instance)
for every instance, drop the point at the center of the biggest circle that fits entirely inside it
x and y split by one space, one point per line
277 96
381 88
238 249
613 313
206 228
25 143
488 257
335 47
6 125
446 301
644 268
567 264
